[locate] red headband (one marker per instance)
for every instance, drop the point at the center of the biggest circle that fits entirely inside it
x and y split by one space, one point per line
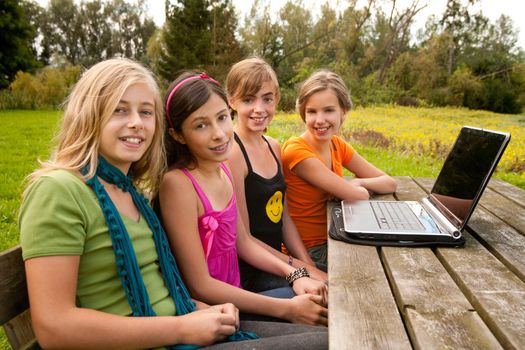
202 76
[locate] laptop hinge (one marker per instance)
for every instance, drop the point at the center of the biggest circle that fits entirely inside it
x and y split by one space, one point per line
440 219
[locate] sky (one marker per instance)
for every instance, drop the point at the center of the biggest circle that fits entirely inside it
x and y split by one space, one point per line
492 9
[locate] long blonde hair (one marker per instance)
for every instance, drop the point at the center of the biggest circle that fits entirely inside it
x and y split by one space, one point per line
89 107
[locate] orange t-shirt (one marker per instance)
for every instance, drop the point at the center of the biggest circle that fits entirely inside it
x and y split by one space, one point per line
306 203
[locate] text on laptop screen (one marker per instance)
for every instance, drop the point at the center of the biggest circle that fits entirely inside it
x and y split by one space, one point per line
466 169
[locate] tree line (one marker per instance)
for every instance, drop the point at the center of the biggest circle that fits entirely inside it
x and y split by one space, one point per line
460 58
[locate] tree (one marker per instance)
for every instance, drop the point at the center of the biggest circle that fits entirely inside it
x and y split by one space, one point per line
353 25
131 28
37 18
65 29
326 28
260 34
96 39
226 49
296 34
91 31
186 37
462 27
398 37
495 59
16 36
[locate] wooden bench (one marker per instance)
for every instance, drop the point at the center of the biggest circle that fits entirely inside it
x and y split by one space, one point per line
442 298
14 302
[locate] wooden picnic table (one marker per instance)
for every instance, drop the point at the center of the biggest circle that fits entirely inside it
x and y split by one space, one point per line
443 298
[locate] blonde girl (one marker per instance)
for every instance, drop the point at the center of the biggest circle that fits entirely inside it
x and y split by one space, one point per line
253 93
95 253
313 162
199 211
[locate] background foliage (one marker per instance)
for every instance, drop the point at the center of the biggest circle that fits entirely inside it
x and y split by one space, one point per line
459 59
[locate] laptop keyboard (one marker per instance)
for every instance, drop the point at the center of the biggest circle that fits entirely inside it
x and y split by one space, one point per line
395 216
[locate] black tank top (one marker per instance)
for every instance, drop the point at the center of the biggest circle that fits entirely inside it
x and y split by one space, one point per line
265 201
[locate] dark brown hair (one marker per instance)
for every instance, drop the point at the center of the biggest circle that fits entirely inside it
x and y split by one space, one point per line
189 97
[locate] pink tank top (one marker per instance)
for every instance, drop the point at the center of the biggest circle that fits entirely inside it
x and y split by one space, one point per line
218 233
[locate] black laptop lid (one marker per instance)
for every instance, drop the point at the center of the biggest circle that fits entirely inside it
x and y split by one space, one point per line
466 172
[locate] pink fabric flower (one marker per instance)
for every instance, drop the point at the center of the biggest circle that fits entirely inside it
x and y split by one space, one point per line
210 224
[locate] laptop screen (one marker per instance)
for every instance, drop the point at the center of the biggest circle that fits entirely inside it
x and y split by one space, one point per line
466 172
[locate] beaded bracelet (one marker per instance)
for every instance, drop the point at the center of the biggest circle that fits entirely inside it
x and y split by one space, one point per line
296 274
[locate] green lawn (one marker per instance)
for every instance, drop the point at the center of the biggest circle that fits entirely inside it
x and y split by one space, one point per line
25 138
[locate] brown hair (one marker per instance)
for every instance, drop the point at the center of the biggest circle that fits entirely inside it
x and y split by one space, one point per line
320 81
247 76
188 97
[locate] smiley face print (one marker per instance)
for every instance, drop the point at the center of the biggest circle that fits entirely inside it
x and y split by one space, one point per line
274 207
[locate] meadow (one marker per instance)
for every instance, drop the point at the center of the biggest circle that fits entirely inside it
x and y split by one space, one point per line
400 140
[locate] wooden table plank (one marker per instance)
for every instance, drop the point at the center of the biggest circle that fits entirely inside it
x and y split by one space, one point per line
437 313
508 190
499 299
363 313
504 208
497 294
497 236
502 240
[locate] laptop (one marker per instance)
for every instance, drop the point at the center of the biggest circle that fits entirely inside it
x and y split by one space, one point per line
442 215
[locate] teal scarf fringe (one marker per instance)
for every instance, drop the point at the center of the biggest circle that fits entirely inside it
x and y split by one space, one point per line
126 260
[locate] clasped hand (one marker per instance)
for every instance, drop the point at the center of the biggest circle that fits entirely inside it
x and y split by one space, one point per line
308 285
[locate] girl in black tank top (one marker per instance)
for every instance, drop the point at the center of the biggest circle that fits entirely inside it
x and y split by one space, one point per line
253 95
264 199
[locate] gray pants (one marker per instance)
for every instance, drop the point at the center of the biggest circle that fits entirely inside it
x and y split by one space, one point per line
279 336
319 255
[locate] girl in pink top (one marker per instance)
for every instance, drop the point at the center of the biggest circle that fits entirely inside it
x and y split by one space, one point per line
313 162
218 235
199 211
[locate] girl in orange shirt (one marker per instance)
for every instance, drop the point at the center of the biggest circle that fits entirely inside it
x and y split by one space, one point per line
313 162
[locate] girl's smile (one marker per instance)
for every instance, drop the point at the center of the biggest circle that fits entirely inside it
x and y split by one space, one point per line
132 140
222 148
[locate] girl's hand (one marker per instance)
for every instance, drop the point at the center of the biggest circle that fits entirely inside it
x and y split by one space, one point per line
229 309
308 309
208 326
355 181
306 285
360 186
317 274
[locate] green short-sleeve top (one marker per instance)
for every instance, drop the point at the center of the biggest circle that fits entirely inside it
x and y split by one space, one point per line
61 216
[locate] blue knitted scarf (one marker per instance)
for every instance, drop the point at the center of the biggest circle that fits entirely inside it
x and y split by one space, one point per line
127 265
